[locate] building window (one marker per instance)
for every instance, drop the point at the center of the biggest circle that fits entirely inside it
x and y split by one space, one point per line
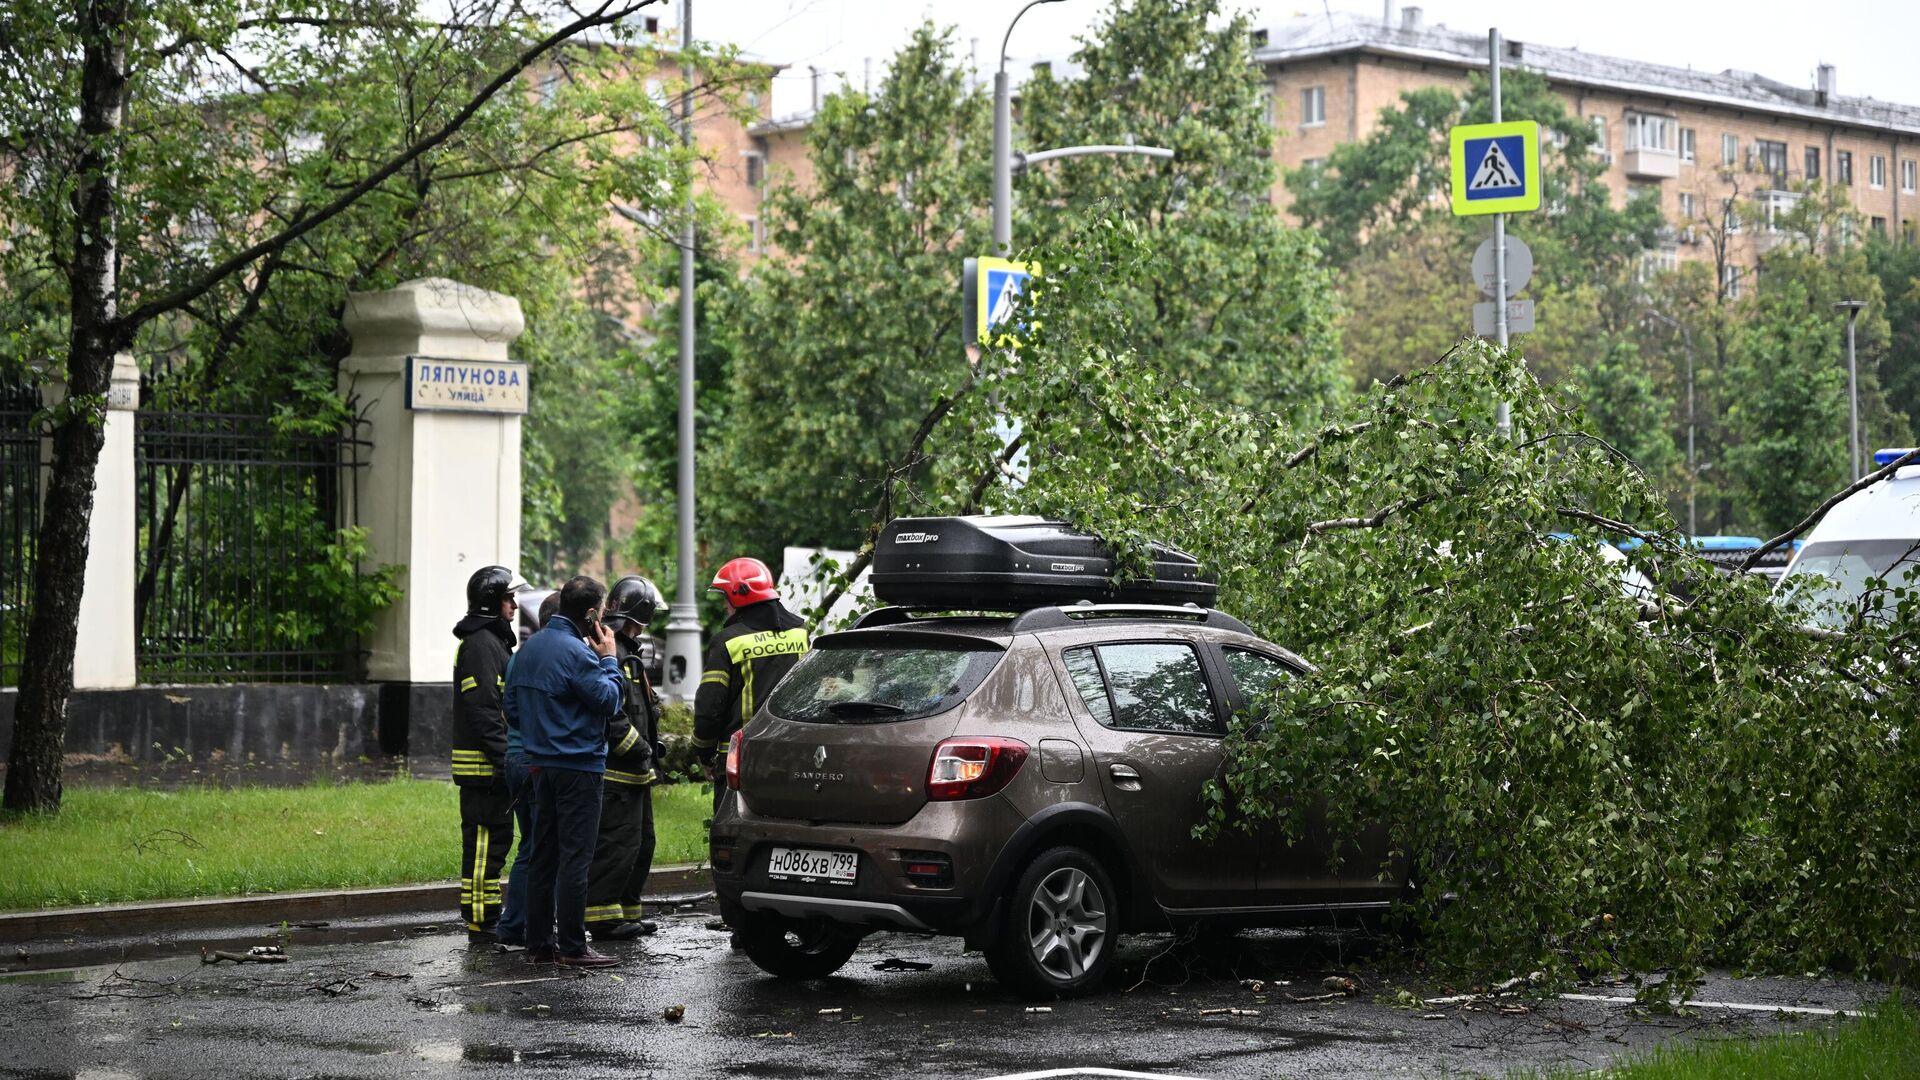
756 235
1660 260
756 168
1879 226
549 88
1730 281
1776 205
1843 167
1266 105
1600 135
1876 172
1813 163
1729 150
1686 144
1649 132
1686 206
1909 175
1732 211
1771 158
1643 191
1313 106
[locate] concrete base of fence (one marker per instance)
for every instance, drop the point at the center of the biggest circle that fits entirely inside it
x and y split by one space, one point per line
251 733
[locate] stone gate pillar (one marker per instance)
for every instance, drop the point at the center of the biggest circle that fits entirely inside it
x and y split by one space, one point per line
106 659
440 491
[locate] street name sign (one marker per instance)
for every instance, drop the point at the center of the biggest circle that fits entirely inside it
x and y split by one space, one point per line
1519 318
1496 168
483 386
1519 265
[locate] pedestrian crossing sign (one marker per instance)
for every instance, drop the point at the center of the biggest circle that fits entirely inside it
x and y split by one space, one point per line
1000 286
1496 168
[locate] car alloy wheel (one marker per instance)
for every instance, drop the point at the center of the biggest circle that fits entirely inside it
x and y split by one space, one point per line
1061 926
1067 924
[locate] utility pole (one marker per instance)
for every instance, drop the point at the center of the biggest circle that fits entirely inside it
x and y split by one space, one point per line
682 668
1693 470
1502 418
1852 308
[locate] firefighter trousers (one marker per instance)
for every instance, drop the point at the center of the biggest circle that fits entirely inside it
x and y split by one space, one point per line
486 832
623 855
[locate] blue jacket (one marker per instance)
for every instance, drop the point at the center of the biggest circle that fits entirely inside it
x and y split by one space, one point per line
560 695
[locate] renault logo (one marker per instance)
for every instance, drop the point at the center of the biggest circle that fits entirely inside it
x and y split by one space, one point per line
819 757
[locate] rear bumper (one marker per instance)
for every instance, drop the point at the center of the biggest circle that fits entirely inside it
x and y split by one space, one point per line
970 834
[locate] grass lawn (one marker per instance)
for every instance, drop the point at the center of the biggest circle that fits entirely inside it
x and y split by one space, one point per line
111 845
1883 1043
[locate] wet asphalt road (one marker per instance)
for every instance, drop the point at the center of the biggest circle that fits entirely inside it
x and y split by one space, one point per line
393 998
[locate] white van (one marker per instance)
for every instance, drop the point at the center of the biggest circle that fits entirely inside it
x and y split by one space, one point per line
1873 534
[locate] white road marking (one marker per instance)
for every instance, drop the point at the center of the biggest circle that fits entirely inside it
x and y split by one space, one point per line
1807 1010
1117 1074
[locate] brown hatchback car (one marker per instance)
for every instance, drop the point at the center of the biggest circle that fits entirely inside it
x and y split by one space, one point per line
1030 782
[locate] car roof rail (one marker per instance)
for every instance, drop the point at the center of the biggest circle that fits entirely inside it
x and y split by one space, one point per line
899 614
1054 617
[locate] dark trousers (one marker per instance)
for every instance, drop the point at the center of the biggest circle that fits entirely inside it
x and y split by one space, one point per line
486 832
624 855
566 820
513 916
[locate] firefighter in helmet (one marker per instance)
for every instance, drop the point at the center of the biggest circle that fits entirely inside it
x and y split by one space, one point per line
759 644
623 856
487 638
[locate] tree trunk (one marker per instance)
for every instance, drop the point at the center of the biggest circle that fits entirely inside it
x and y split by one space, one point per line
60 559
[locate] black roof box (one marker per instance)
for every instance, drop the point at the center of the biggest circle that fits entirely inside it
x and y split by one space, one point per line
1018 563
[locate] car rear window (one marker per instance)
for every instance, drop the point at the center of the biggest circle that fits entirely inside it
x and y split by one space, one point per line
880 683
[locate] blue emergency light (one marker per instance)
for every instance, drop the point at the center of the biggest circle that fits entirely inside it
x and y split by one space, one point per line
1884 458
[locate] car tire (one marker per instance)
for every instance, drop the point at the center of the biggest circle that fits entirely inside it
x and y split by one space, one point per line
797 948
1061 927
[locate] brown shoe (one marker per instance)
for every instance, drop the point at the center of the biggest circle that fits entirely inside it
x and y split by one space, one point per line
588 959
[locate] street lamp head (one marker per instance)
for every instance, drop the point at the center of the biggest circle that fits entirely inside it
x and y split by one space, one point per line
1031 4
1851 307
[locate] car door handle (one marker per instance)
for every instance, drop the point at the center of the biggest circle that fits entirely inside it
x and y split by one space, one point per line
1124 777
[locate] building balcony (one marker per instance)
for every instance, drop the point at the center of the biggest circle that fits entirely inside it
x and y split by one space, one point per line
1652 164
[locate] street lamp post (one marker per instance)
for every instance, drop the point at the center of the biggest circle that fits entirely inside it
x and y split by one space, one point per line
682 667
1006 162
1693 473
1852 308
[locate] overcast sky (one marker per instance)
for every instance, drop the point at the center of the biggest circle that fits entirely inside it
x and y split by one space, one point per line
1874 43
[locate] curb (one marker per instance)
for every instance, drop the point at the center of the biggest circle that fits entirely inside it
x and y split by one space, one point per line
442 896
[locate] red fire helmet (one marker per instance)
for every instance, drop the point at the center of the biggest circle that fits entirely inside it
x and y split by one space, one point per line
745 581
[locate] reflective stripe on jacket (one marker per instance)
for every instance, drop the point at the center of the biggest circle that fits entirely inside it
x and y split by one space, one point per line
748 657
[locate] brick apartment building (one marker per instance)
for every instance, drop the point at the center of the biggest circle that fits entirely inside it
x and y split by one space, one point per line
1691 139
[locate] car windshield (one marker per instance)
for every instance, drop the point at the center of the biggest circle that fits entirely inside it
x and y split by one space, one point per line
856 683
1828 580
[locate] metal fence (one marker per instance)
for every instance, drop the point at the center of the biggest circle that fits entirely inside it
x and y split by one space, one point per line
19 521
237 572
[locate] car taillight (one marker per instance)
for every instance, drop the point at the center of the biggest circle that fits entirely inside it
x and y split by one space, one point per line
973 768
736 749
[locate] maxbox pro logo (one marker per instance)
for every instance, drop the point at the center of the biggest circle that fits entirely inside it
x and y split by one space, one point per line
916 538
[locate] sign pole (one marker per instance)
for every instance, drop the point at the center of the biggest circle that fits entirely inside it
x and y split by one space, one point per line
1502 420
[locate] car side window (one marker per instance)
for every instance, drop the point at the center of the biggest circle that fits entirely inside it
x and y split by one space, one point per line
1255 673
1147 686
1085 671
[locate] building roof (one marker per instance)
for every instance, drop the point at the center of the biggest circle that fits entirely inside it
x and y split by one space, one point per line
1313 36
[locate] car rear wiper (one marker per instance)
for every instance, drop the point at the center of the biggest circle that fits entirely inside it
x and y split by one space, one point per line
864 708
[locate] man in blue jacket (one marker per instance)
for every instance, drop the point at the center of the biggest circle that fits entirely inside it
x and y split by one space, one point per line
564 686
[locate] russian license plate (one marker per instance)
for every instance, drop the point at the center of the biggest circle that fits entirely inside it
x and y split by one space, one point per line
811 865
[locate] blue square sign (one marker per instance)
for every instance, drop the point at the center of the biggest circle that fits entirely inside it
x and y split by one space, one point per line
1494 169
